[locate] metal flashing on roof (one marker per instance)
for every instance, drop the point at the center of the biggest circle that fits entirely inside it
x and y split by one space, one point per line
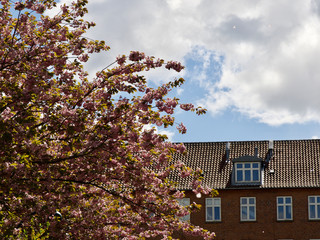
247 158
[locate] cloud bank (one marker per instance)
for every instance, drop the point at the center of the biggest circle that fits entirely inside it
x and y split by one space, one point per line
260 58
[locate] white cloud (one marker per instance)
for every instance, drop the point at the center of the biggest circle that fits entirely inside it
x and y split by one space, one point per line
277 84
180 91
270 49
169 134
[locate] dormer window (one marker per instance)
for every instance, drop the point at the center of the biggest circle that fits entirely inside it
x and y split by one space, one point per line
247 172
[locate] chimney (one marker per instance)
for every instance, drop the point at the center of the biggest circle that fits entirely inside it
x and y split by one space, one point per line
256 153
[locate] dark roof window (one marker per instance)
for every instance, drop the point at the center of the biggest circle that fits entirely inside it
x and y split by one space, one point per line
247 170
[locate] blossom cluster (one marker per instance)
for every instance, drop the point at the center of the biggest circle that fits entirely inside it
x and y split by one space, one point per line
174 65
136 56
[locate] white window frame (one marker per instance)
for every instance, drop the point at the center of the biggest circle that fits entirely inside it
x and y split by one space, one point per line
243 170
316 205
184 202
248 206
287 208
213 205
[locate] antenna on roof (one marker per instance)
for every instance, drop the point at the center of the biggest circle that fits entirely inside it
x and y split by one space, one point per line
228 152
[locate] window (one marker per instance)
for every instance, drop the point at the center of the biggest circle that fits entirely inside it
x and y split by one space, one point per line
314 207
213 209
185 202
284 208
247 172
248 209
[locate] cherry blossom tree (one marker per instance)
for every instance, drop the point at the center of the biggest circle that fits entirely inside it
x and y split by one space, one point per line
76 160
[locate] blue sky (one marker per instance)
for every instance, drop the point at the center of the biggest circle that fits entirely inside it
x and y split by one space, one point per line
253 64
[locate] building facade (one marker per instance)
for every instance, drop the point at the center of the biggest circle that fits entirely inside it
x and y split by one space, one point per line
267 189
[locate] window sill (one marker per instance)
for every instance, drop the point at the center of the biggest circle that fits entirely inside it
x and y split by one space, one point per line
213 221
246 183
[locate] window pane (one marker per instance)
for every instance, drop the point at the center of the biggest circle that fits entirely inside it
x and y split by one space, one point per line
239 165
243 201
288 212
244 214
239 176
311 199
247 165
184 201
255 165
288 200
312 211
280 212
216 213
251 200
209 201
318 211
247 175
251 212
255 176
318 199
209 213
280 200
185 218
216 201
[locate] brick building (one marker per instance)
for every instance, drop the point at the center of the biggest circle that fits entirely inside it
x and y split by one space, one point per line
267 189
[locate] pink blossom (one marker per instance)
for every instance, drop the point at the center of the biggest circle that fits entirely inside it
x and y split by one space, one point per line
182 128
19 6
187 107
181 148
7 114
136 56
179 195
121 59
83 57
174 65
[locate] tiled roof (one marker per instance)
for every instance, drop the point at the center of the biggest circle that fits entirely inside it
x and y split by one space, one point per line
296 163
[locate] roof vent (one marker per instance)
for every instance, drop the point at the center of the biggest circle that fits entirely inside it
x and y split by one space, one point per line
270 151
228 151
256 153
271 144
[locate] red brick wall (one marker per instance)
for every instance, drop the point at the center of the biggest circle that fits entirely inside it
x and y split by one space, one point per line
266 225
